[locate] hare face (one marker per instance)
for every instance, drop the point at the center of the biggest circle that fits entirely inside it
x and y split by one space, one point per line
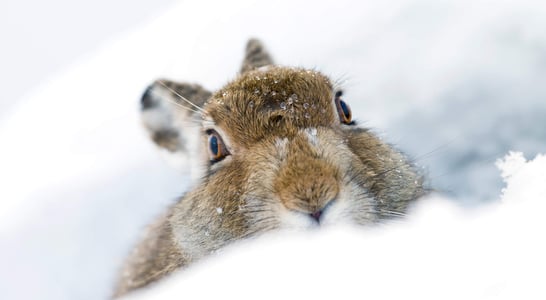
277 148
282 151
283 135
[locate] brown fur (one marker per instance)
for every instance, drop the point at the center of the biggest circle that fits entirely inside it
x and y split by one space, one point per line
152 259
289 157
249 108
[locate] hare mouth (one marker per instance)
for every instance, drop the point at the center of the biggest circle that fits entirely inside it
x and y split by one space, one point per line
319 214
327 215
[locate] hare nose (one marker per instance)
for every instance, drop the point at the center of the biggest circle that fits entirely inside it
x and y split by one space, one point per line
319 213
316 215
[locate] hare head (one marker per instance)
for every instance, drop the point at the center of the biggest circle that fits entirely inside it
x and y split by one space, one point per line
280 150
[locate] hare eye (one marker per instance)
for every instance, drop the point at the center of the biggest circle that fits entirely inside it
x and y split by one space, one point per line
217 148
343 110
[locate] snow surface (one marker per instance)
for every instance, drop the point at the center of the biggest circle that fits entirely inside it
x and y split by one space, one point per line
455 84
439 252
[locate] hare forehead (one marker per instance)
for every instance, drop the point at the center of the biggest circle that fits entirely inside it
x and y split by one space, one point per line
277 101
277 88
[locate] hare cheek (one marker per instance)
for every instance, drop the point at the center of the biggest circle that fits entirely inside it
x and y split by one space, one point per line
336 214
359 206
349 208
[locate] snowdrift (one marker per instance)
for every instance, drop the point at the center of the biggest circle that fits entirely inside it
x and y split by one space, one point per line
440 252
455 84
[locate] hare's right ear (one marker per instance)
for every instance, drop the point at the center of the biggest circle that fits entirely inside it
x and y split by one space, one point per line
170 112
256 56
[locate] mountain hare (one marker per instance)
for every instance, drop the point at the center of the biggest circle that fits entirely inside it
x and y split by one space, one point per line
281 150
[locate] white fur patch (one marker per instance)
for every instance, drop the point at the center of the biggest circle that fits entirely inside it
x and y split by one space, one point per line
191 159
336 214
156 119
281 146
311 134
296 220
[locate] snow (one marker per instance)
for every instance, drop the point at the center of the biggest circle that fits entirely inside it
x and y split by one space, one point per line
440 252
524 180
455 84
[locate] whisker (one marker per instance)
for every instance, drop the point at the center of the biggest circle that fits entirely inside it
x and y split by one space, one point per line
341 81
257 231
255 211
489 160
393 213
195 119
433 151
179 106
199 109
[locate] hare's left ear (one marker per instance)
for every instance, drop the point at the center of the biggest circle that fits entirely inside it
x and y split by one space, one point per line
256 56
170 111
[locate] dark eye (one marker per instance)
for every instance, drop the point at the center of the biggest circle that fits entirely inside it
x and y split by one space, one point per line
343 110
217 148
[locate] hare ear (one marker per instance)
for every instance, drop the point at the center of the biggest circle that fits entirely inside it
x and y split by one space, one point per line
169 112
256 56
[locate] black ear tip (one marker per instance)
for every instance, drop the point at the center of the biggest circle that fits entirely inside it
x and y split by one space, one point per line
147 100
256 56
254 45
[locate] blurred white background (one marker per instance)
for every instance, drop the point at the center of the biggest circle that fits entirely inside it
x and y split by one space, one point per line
455 84
42 38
